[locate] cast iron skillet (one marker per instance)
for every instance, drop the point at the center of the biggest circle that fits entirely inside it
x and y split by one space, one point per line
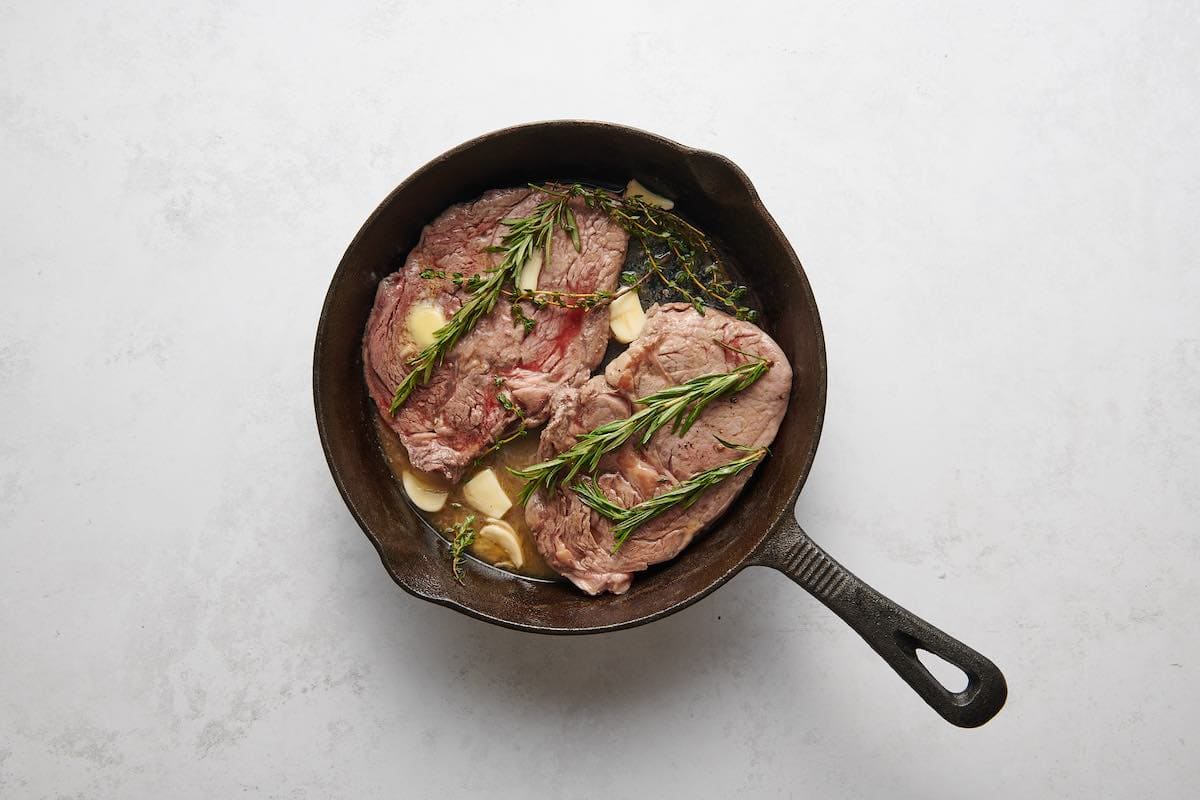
760 529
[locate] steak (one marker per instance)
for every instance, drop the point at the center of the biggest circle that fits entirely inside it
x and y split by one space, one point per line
456 416
676 345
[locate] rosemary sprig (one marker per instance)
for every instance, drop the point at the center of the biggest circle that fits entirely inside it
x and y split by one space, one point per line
678 406
462 536
683 494
524 237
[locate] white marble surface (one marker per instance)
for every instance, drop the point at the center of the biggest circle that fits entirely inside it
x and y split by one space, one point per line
997 207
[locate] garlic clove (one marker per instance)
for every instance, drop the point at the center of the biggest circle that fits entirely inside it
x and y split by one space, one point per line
530 272
626 317
424 321
497 543
423 494
484 493
635 189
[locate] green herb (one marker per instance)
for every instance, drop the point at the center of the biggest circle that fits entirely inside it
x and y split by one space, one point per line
519 318
682 495
525 236
679 406
462 536
541 298
511 406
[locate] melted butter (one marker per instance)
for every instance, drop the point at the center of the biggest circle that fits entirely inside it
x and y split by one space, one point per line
519 453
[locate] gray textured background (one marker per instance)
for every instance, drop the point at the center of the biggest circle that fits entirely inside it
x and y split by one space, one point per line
997 205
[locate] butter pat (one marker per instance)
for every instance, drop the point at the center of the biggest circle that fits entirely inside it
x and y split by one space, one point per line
484 493
625 316
635 189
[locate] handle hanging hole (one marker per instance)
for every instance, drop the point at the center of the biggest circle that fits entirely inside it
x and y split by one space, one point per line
951 677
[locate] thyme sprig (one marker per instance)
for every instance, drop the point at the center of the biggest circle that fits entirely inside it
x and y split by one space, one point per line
521 318
679 406
683 494
462 536
699 268
509 404
525 236
541 298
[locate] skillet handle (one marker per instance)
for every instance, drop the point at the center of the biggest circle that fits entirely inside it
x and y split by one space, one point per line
892 631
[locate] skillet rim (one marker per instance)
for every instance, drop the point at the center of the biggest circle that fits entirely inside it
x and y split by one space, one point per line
770 529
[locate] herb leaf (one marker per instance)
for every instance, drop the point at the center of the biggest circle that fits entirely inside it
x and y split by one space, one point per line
519 318
509 404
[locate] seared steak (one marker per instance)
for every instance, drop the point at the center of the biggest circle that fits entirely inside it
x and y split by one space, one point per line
676 345
447 423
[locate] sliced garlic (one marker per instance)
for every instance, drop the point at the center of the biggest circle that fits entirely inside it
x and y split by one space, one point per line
497 544
530 272
423 495
635 189
485 494
625 316
424 320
